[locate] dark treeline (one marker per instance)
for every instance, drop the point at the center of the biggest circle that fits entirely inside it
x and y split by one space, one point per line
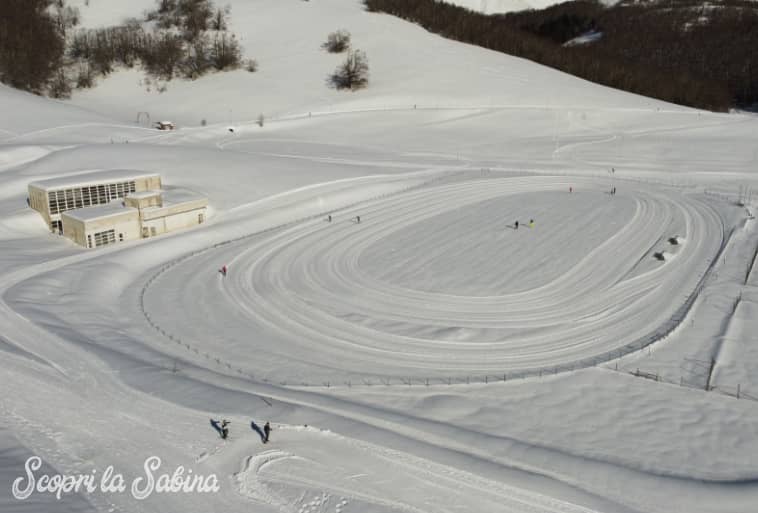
41 50
678 51
31 44
191 39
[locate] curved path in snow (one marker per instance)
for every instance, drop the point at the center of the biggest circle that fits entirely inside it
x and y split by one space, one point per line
435 283
322 471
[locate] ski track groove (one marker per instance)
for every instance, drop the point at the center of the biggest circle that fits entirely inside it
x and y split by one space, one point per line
301 280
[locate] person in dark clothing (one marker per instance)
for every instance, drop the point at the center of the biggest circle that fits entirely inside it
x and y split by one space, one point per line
516 225
224 429
329 218
266 431
358 219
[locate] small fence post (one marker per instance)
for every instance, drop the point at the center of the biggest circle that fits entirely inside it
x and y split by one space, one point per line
738 391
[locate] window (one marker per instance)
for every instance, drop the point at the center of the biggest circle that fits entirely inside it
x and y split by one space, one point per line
89 241
104 238
200 218
152 231
145 232
57 226
78 198
52 202
121 237
132 187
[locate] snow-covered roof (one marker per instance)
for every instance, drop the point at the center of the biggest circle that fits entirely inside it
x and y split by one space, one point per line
91 178
178 195
145 194
114 208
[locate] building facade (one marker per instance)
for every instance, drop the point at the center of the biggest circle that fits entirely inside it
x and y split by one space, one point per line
110 208
53 197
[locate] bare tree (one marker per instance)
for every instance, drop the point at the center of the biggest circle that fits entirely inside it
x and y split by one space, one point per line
198 60
337 42
218 22
352 73
225 52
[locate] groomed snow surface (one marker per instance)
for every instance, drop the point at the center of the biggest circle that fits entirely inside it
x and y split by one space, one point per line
428 358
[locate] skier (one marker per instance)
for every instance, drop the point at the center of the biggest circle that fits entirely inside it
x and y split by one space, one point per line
224 429
515 225
266 431
329 218
531 223
358 219
571 189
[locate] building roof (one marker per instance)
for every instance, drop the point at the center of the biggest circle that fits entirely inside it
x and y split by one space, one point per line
114 208
177 196
91 178
175 201
145 194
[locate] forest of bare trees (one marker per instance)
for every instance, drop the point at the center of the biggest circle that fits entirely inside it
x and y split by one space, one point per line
682 51
31 44
42 51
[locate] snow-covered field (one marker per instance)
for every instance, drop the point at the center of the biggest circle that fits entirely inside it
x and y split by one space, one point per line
429 358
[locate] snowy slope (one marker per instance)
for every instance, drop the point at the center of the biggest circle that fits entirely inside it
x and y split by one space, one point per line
380 335
412 67
503 6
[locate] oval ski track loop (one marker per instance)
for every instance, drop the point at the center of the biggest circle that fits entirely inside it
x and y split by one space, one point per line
320 297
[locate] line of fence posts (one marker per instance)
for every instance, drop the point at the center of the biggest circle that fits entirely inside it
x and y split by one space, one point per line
448 381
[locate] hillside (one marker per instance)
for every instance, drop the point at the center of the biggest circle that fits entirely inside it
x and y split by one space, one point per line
294 67
412 348
690 54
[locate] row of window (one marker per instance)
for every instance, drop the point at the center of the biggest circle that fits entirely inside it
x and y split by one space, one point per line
79 197
104 238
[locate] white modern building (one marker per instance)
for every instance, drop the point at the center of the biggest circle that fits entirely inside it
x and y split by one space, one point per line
53 197
96 209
